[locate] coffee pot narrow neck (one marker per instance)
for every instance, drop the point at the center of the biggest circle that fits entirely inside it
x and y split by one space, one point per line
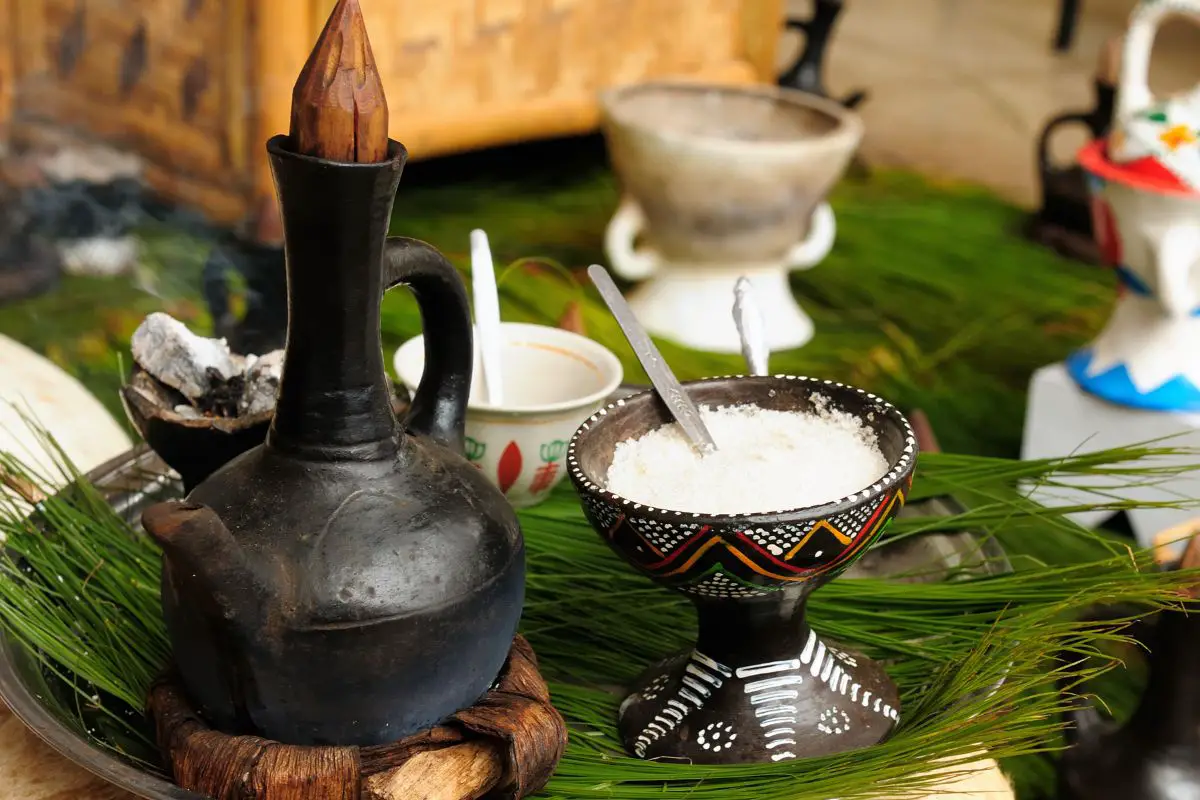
334 399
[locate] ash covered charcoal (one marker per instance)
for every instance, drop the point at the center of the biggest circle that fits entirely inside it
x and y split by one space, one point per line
188 412
214 381
262 383
173 355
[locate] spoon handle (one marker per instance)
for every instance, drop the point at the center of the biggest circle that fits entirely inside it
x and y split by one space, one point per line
750 327
487 316
665 383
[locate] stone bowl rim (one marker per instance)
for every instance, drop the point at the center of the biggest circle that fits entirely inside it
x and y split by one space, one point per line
900 468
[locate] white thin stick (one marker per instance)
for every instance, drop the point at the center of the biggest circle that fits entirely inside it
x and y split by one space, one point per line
750 327
487 316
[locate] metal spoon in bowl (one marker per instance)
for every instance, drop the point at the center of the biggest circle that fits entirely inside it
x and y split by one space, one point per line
665 382
750 327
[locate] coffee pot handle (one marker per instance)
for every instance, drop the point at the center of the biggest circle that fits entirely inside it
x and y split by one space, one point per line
630 263
1133 91
439 406
822 231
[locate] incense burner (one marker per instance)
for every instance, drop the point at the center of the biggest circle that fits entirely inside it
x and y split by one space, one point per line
722 183
760 685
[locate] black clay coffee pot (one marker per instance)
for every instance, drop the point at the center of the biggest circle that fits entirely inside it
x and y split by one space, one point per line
353 579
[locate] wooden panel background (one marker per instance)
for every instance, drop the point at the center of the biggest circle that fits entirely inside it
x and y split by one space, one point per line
197 86
163 78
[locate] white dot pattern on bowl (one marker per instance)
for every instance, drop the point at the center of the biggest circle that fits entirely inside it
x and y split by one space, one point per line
855 518
778 539
666 536
718 586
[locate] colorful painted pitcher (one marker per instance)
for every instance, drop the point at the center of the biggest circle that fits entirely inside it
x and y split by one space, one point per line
1157 136
1148 355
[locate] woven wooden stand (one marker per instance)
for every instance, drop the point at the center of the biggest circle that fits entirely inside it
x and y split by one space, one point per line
506 745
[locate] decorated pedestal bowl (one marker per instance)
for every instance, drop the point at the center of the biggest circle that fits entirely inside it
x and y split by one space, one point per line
760 684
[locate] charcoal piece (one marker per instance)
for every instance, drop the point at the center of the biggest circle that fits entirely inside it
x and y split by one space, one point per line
262 384
172 354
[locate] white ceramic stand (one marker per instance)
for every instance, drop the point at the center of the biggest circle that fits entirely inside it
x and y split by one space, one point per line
690 303
1062 420
692 308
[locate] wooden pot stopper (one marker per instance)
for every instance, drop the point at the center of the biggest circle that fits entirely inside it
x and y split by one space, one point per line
339 112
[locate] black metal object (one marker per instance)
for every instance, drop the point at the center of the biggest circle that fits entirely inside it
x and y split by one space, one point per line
348 582
1068 19
1064 221
807 74
1156 754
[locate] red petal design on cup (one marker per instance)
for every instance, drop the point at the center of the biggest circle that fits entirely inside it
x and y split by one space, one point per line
509 468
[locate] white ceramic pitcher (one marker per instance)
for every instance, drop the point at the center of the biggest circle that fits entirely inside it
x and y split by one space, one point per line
1159 137
1148 355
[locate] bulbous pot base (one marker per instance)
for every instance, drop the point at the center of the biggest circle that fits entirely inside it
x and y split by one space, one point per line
817 701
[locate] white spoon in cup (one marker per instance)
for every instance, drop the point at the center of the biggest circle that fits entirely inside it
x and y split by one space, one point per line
487 316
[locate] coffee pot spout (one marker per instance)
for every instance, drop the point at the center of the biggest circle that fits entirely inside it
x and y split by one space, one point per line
202 557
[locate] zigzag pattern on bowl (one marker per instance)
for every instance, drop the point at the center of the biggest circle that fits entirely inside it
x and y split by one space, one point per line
735 561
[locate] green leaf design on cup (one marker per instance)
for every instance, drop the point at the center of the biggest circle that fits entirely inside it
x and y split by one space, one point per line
474 449
553 451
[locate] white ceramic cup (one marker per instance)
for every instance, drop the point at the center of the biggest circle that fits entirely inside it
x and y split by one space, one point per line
553 380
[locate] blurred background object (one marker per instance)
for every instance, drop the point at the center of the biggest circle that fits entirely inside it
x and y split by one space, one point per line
168 80
807 72
1064 220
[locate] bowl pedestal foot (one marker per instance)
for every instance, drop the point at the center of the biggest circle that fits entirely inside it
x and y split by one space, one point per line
753 695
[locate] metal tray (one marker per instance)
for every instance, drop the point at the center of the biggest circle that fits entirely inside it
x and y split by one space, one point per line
138 479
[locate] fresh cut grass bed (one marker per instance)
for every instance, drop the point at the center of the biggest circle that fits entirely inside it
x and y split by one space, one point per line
971 655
